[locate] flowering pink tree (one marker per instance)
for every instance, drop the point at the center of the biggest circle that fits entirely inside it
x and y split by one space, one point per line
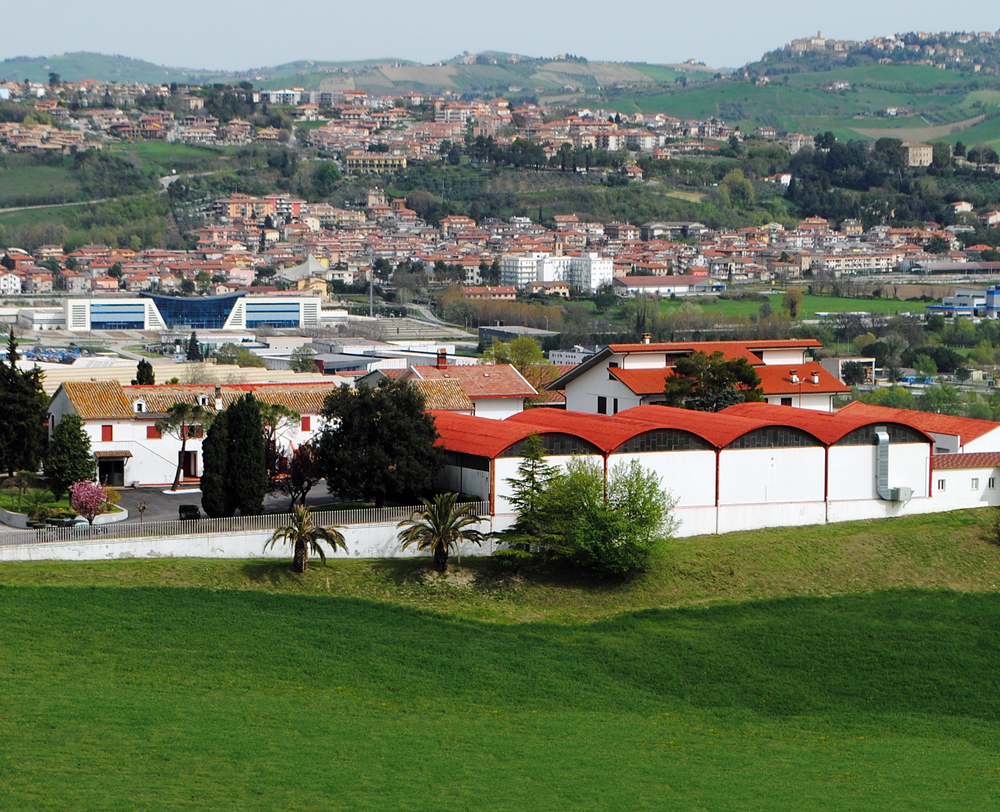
88 499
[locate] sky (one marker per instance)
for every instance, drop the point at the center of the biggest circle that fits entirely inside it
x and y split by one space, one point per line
229 35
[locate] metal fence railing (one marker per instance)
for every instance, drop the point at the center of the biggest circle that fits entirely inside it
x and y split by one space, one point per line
236 524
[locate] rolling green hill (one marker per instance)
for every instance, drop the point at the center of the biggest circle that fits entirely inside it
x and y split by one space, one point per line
204 685
102 67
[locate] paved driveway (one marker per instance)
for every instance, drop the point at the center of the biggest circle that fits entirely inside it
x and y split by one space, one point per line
163 507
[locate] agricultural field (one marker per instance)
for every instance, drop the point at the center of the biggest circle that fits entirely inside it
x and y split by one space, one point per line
165 157
809 308
842 667
26 185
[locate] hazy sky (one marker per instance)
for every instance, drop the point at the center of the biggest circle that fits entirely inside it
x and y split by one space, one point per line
223 34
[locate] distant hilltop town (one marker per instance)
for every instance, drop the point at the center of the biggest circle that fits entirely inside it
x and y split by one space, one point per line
977 52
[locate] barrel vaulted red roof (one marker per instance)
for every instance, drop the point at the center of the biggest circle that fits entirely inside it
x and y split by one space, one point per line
828 427
477 435
965 428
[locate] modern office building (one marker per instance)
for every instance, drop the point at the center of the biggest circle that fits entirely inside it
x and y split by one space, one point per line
235 311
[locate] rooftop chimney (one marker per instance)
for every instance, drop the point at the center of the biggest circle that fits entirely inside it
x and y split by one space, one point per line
794 374
646 337
815 377
218 398
442 359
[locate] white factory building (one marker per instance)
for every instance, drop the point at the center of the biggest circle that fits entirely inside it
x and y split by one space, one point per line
747 467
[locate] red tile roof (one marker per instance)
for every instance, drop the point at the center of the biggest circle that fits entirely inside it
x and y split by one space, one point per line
990 459
711 346
482 380
777 380
965 428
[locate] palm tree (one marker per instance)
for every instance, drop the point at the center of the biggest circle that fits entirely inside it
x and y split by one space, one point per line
440 527
304 537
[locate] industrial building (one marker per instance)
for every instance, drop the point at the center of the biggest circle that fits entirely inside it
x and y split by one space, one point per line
747 467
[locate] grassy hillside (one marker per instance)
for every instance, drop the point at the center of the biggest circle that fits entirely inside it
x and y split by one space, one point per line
84 65
210 685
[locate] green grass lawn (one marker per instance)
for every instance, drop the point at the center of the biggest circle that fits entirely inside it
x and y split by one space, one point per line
164 157
205 685
9 500
811 305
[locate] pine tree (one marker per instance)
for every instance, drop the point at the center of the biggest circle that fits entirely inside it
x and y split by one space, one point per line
69 458
247 473
144 374
216 494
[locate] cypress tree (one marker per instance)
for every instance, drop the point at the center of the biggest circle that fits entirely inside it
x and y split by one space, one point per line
194 352
144 374
247 474
216 496
69 459
22 414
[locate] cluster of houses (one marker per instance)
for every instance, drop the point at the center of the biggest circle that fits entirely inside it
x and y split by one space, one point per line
314 243
789 460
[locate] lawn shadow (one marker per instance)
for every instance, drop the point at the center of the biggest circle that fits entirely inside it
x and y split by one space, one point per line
276 573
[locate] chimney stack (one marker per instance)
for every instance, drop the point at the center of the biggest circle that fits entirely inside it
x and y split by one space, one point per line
218 397
794 374
815 377
646 338
442 359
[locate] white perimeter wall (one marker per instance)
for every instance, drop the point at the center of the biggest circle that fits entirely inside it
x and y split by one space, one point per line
363 541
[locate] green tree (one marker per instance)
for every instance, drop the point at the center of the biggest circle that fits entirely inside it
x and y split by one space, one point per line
303 359
378 443
607 528
325 178
203 280
520 352
216 495
23 408
144 374
194 352
709 383
528 533
247 456
69 458
792 301
937 245
440 527
853 373
305 537
230 354
941 399
924 365
181 421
